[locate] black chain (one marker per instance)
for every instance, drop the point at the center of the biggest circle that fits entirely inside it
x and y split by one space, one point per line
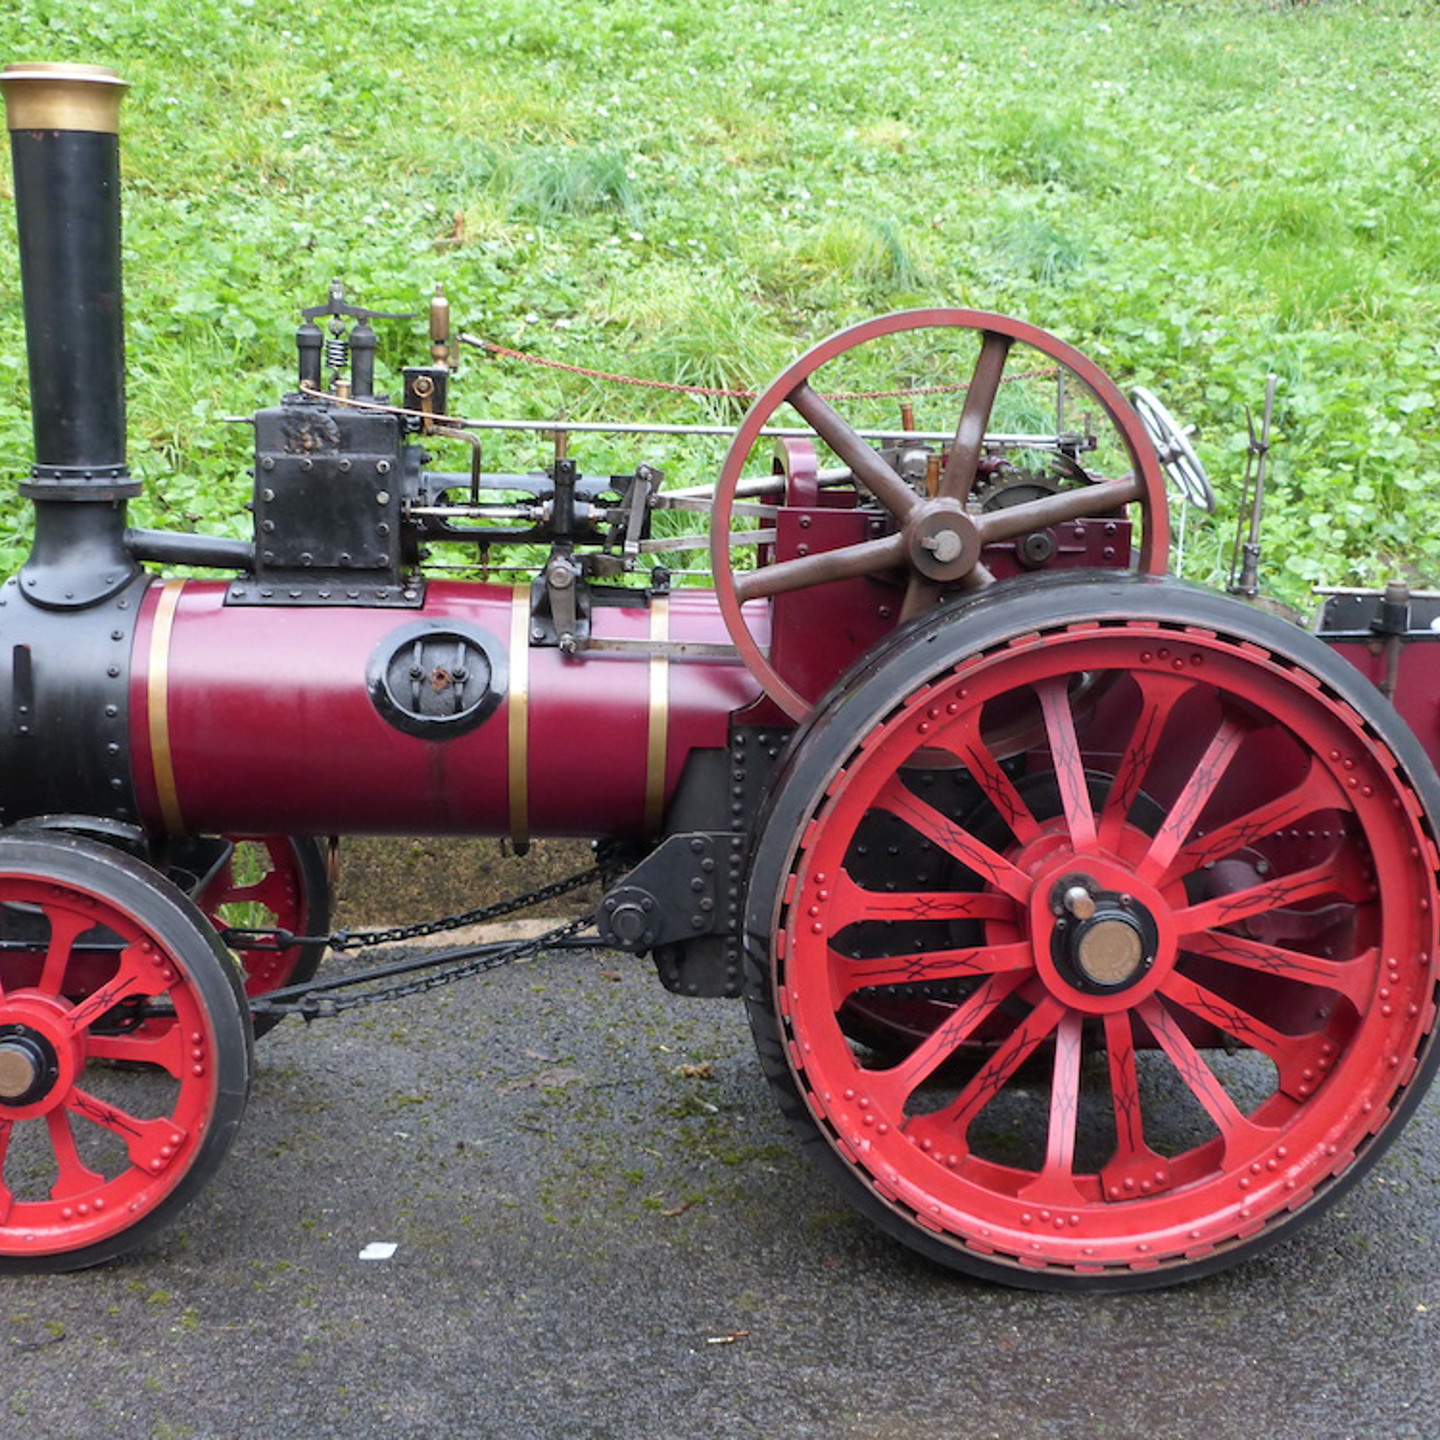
316 998
275 938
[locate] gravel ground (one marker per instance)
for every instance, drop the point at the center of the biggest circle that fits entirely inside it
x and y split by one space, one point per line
603 1229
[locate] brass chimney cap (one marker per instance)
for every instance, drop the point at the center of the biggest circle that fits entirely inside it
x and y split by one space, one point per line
47 95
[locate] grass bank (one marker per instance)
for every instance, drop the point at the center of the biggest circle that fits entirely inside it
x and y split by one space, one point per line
1194 193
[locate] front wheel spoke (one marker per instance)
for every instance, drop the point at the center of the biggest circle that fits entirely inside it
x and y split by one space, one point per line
1353 977
1238 1135
931 966
1069 764
851 904
1158 696
958 478
1180 821
1329 877
895 1085
151 1144
953 839
1316 792
868 557
66 928
73 1176
128 979
1056 1181
992 1077
6 1197
159 1044
271 892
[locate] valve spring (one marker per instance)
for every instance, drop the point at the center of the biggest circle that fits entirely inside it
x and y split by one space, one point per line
337 352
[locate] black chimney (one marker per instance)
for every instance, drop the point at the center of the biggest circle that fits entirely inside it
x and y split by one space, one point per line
64 143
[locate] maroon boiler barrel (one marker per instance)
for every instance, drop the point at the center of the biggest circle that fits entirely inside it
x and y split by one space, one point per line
278 720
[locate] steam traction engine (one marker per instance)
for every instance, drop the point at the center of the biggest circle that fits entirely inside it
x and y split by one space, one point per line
1085 919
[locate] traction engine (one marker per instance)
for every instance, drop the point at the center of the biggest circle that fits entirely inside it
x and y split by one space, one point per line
1085 919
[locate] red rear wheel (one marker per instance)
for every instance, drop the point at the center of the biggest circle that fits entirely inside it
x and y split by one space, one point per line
1178 958
93 1158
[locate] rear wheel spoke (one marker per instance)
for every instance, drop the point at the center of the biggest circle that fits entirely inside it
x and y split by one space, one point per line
1185 812
900 1081
1068 762
930 967
1238 1134
1318 791
1329 877
1352 976
851 904
1158 694
953 839
1011 1053
1056 1181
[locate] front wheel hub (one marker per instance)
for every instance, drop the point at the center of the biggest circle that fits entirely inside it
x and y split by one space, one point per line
28 1066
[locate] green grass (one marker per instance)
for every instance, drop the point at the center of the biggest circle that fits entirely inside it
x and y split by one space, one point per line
1193 193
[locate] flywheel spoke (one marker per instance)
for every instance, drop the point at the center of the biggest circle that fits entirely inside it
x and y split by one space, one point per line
865 464
869 557
958 478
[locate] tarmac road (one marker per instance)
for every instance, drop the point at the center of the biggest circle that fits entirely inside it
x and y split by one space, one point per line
593 1240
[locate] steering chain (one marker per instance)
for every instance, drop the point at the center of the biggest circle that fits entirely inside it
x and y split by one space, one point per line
318 998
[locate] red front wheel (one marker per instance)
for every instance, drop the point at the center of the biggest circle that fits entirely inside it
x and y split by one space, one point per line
270 882
1154 878
95 1158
